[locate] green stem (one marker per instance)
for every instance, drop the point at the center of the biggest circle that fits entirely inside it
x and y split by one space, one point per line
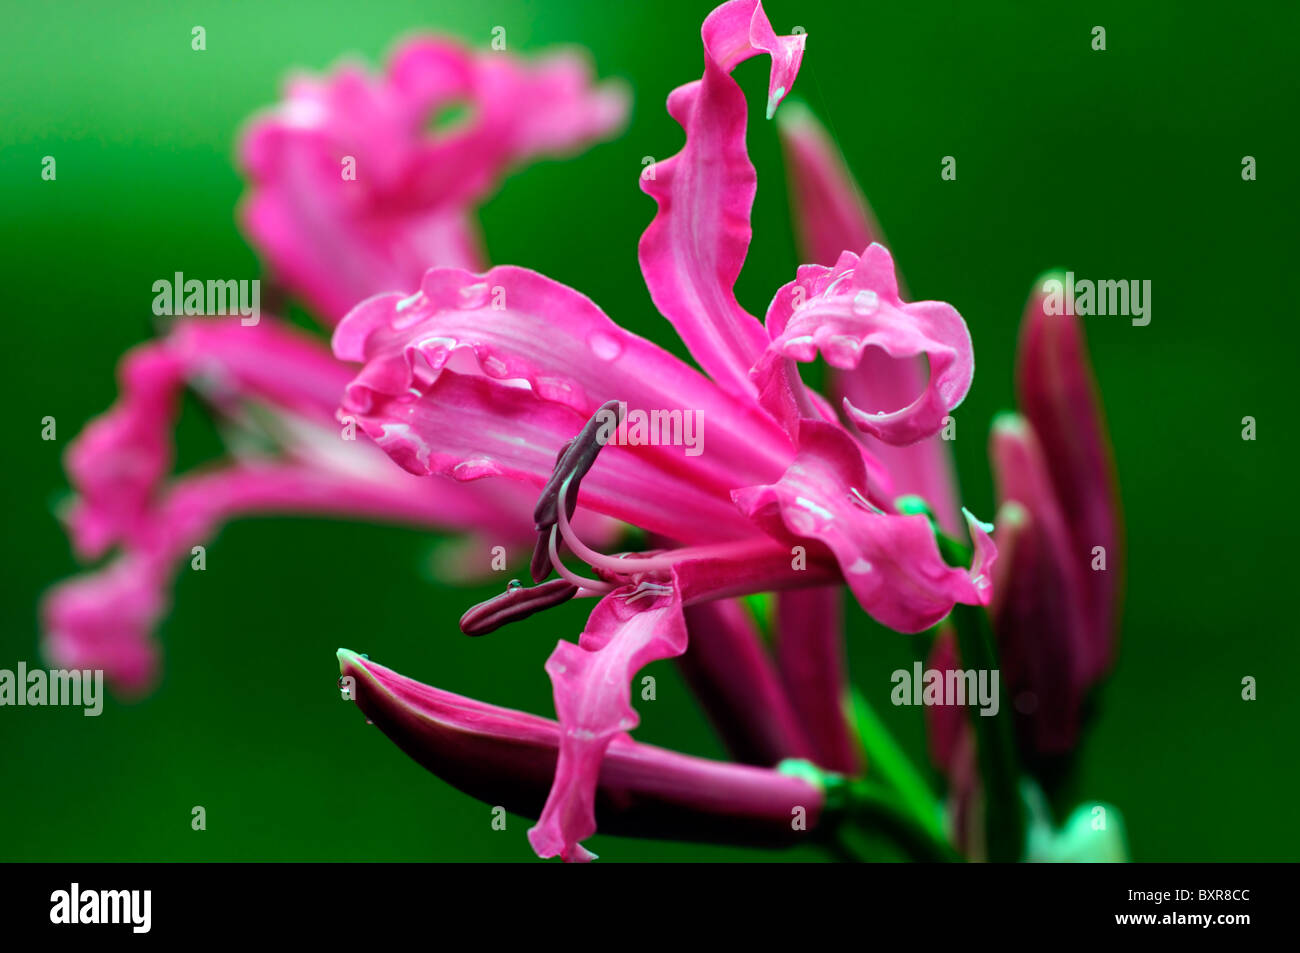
890 764
877 808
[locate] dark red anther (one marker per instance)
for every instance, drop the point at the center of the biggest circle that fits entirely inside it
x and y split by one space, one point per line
573 461
516 603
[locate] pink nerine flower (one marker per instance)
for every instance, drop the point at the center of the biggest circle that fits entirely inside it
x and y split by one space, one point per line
495 374
358 183
332 238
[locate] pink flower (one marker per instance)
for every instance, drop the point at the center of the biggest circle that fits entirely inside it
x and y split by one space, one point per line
354 189
494 374
334 240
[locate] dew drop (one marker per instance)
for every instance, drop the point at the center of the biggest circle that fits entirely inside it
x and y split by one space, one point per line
604 347
865 303
514 585
369 722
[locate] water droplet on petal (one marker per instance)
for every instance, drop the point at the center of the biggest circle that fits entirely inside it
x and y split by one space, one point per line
513 585
861 566
865 303
604 346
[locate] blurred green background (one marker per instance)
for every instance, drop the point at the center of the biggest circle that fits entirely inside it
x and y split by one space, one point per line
1117 164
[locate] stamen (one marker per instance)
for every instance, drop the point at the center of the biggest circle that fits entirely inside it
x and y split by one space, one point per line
514 604
856 496
614 564
591 585
573 462
647 589
539 567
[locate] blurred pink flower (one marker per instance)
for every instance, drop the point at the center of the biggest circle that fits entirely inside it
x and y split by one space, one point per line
359 183
334 239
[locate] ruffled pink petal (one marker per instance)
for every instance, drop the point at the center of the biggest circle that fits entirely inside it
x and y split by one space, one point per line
117 464
832 216
1058 395
693 251
731 673
592 681
469 426
104 620
409 204
1038 609
891 562
512 324
843 310
508 758
117 461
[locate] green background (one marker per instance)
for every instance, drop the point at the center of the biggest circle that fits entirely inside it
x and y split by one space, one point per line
1117 164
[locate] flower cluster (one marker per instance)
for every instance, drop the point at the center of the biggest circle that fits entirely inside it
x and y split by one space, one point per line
483 400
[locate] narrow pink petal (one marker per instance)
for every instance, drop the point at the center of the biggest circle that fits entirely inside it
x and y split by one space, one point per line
1058 395
105 619
810 654
693 251
732 675
408 201
468 427
512 324
592 680
946 725
891 562
843 310
508 758
953 751
1039 607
